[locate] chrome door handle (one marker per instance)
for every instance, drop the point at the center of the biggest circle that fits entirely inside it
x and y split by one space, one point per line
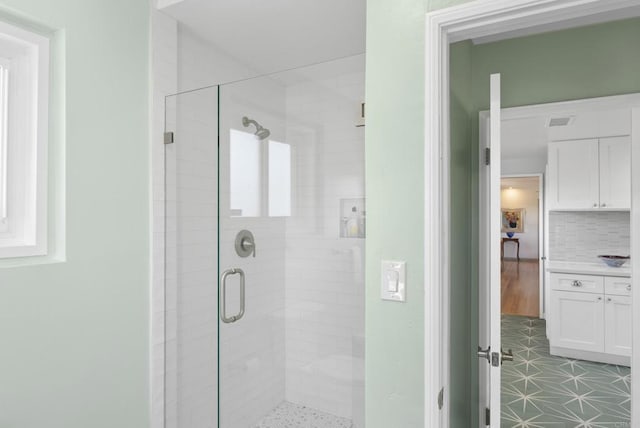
223 295
506 356
485 353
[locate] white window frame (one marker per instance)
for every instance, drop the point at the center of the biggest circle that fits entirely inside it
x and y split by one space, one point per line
24 56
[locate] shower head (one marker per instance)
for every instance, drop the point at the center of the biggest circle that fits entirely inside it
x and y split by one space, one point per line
261 132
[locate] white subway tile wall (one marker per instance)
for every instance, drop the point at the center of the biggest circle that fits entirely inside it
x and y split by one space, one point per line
325 280
582 236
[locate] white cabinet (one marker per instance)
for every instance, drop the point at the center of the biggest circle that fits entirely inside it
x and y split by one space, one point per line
573 175
615 172
589 174
577 320
617 330
590 317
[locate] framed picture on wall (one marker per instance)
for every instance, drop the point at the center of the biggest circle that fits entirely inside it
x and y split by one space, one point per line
513 220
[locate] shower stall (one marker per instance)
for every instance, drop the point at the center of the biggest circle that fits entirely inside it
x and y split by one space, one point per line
265 221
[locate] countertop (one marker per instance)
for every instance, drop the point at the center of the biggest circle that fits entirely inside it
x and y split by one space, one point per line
588 268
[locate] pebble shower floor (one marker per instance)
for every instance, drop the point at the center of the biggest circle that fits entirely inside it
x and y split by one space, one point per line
289 415
543 391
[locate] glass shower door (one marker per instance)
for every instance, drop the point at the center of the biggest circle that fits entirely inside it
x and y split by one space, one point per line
264 220
191 260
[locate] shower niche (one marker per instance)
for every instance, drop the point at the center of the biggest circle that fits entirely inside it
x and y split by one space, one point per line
353 218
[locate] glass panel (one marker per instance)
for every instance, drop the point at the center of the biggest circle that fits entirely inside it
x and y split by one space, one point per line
191 261
297 352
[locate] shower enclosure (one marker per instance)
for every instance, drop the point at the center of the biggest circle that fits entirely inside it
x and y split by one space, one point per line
265 222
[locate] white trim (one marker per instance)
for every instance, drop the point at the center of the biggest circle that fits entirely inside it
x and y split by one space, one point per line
635 258
27 53
481 18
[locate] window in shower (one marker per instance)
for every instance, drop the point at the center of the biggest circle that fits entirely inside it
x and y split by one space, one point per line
259 168
246 170
279 179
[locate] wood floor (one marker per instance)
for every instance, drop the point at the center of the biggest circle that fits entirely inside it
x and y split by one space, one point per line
520 290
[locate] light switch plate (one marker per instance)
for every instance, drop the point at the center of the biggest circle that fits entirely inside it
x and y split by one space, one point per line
393 285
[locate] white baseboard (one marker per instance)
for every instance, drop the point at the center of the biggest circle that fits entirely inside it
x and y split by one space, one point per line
599 357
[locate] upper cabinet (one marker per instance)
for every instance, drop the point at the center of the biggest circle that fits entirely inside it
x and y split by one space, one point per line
615 172
590 174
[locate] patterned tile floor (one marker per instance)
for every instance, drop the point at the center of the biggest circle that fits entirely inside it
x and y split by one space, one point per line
542 391
289 415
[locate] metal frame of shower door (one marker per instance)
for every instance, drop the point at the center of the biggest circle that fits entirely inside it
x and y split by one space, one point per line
482 18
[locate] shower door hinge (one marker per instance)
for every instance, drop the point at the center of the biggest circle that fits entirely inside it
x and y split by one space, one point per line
487 156
487 416
168 138
441 399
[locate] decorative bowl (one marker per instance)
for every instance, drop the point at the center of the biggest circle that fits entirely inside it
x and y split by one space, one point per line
614 261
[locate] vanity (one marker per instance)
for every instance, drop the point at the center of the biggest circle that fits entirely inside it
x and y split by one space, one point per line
590 312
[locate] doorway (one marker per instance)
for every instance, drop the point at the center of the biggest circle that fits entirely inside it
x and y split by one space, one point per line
521 244
582 347
455 24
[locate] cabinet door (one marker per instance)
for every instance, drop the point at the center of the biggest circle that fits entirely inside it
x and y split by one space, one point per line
577 321
615 172
617 311
573 175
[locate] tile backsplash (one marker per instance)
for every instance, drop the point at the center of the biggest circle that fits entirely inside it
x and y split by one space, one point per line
582 236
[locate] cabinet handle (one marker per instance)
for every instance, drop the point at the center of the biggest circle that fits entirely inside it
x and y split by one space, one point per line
629 287
576 283
603 205
599 298
609 299
595 205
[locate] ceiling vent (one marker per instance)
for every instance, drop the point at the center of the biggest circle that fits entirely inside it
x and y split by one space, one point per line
560 121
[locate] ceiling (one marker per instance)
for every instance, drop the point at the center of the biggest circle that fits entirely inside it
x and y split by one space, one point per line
275 35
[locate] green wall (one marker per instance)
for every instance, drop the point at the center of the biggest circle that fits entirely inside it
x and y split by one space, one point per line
395 208
74 334
594 61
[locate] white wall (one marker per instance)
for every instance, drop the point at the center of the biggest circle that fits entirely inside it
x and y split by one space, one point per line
523 166
527 198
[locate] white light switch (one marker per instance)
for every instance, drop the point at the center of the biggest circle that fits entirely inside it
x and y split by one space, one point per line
393 280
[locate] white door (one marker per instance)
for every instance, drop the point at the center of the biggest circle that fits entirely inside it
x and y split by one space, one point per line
617 337
615 172
577 321
574 181
490 276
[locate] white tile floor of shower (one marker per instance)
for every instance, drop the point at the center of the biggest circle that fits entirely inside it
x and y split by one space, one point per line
290 415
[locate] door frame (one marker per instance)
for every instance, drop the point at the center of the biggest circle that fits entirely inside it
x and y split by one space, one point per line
482 18
541 231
